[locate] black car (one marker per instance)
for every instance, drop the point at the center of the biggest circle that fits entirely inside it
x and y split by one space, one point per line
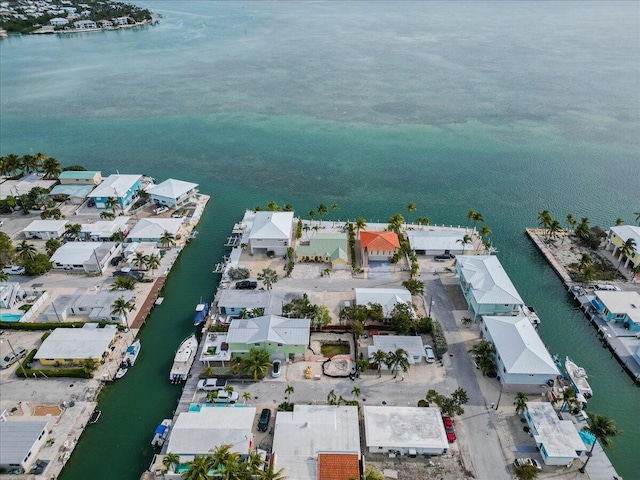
263 423
246 285
116 260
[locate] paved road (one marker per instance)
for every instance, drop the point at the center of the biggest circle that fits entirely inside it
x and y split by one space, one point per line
485 452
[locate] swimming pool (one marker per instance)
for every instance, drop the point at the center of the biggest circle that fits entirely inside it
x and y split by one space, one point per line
10 317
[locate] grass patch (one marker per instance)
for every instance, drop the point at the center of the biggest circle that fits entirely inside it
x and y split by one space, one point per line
331 349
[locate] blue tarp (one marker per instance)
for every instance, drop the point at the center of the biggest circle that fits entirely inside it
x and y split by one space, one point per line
161 428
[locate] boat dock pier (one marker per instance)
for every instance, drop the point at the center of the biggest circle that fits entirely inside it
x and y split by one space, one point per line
611 335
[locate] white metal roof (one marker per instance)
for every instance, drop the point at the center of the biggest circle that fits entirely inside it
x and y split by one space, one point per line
105 228
300 435
390 343
86 342
115 186
628 231
155 227
77 253
17 439
520 346
621 303
271 225
197 433
172 188
248 299
45 226
436 239
559 437
404 427
387 297
270 328
489 281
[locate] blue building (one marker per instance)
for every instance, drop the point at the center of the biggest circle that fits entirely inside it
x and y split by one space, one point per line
619 307
121 187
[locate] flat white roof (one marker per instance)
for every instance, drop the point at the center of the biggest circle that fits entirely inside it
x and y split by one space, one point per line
155 227
436 239
272 225
300 435
105 228
559 437
404 427
621 303
197 433
519 346
230 297
628 231
86 342
270 328
17 439
115 186
172 188
45 226
387 297
390 343
489 281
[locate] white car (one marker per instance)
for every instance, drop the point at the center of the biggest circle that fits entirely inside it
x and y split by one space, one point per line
160 210
528 461
276 369
13 270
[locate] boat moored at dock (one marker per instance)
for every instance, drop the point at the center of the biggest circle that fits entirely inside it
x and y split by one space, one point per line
131 354
578 377
200 315
161 433
183 360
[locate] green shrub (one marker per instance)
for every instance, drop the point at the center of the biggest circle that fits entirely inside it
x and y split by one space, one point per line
44 336
439 340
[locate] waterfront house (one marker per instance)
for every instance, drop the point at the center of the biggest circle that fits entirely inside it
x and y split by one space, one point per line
44 229
173 193
486 286
523 361
330 248
108 24
284 338
271 232
436 241
8 294
619 307
617 237
59 22
379 246
152 229
85 25
557 440
75 194
92 307
318 442
123 21
85 177
72 346
387 297
204 428
121 187
20 441
409 430
232 302
102 230
390 343
89 257
24 185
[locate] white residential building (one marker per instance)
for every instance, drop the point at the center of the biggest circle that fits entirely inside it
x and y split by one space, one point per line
89 257
20 442
387 297
152 229
390 343
101 231
95 307
75 345
173 193
45 229
271 231
437 241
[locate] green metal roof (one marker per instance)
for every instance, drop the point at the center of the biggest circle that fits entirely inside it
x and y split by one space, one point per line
332 245
84 175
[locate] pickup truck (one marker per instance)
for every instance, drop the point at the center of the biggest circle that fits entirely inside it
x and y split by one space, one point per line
246 285
13 270
212 384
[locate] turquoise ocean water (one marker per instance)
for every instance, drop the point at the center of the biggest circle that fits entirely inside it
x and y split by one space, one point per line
506 108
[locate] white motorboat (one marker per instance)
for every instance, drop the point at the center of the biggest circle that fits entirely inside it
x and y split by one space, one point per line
122 371
183 360
131 354
161 433
578 377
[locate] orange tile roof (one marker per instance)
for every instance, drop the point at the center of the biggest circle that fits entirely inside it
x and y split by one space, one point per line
382 241
338 466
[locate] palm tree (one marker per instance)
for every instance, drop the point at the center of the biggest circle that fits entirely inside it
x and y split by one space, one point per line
571 222
395 222
112 203
26 251
167 239
107 215
520 402
73 229
334 208
397 361
569 399
52 245
582 229
604 429
331 397
4 277
118 236
361 224
139 261
153 262
289 391
28 163
544 219
626 249
554 229
271 474
220 456
484 231
268 277
322 210
422 221
525 472
246 396
122 307
40 158
356 392
484 354
379 357
477 218
288 207
370 473
619 221
470 215
466 240
170 460
12 164
51 168
198 469
410 208
258 363
312 215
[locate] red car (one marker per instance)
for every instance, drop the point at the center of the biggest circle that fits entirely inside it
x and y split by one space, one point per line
448 428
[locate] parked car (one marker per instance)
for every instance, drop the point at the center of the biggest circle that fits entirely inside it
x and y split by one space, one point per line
212 384
444 257
263 422
160 210
246 285
428 351
13 270
527 461
276 369
448 428
13 356
116 260
606 287
127 272
226 397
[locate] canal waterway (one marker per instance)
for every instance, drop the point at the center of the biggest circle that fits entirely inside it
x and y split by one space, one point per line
451 106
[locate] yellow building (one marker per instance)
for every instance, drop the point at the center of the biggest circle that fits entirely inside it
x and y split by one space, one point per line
72 346
617 237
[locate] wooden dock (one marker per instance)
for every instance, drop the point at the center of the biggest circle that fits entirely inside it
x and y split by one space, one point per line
148 303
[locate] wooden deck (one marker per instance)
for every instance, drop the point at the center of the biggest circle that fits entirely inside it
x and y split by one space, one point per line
148 303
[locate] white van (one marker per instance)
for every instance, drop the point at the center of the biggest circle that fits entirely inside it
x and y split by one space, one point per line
428 351
13 356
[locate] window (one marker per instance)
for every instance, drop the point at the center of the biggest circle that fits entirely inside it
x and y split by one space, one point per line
279 344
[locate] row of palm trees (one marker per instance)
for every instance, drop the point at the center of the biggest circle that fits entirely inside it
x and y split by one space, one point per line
395 361
12 164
